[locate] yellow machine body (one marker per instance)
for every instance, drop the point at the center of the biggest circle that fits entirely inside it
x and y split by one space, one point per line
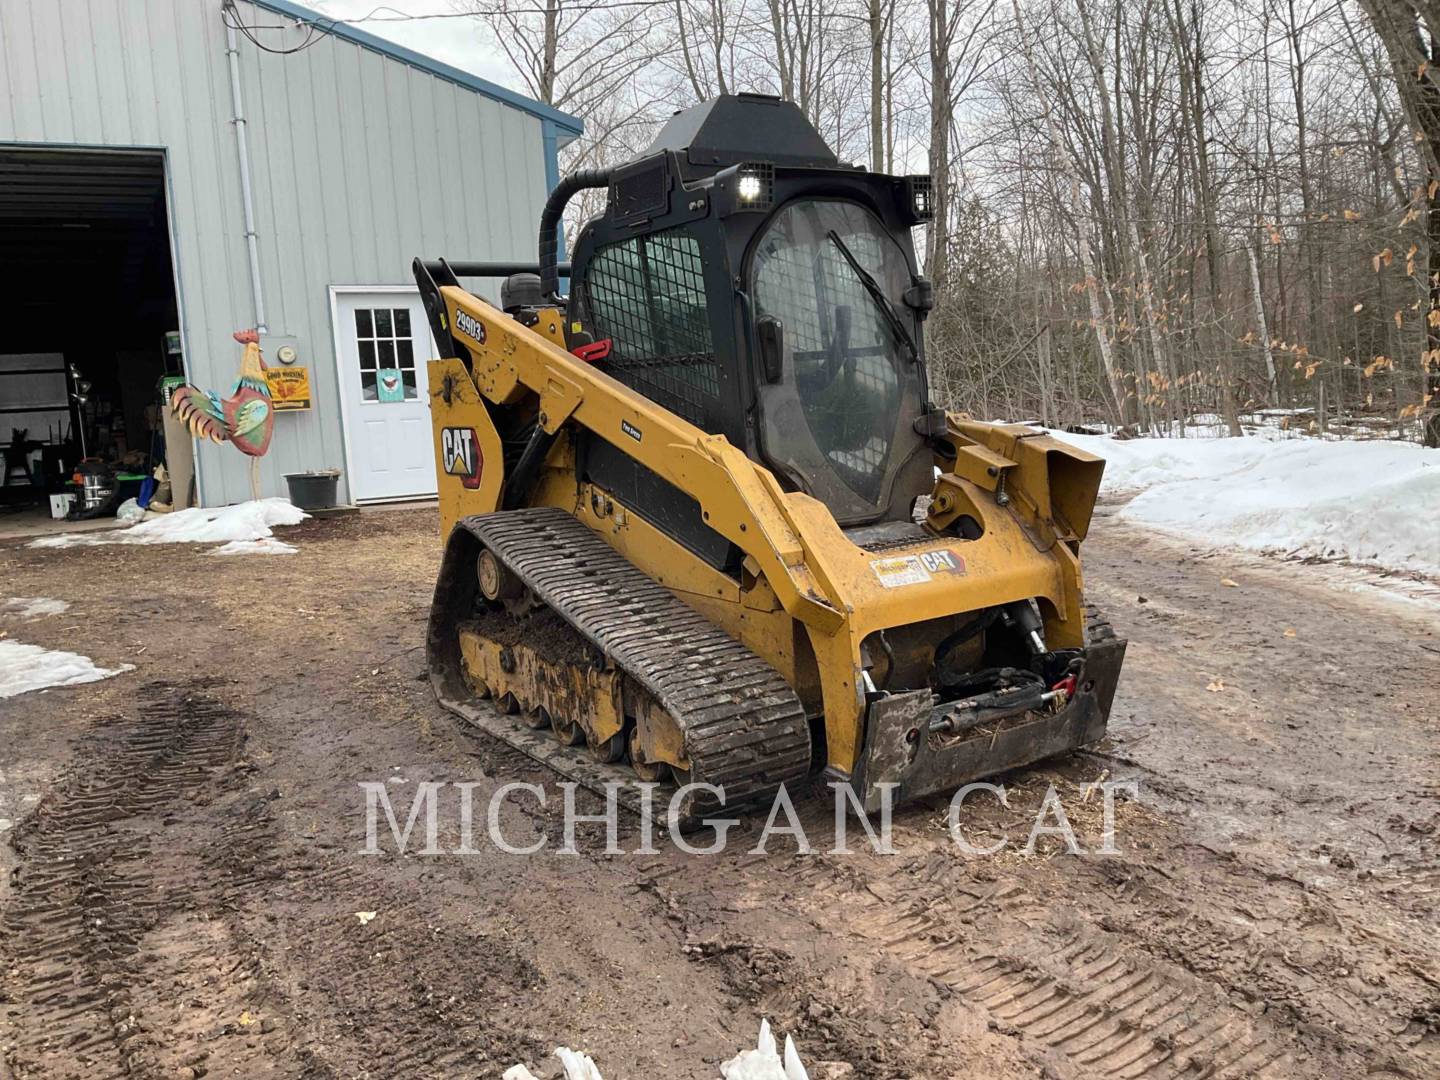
808 599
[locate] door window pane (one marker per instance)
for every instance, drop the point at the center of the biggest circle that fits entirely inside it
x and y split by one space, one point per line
384 339
846 367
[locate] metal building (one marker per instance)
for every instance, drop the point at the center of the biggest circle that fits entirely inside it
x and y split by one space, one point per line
203 166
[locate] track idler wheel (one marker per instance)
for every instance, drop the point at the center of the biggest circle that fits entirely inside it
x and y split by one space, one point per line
567 731
647 772
496 581
609 751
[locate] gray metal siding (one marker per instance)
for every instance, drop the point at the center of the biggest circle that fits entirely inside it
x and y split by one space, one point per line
359 162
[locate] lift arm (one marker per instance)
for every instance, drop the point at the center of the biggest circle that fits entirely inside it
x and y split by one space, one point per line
738 499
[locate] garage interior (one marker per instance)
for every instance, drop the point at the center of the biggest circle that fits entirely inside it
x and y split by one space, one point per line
91 328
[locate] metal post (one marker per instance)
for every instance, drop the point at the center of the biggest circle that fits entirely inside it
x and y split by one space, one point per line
241 143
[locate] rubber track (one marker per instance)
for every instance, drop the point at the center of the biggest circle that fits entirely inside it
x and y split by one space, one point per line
1097 627
744 727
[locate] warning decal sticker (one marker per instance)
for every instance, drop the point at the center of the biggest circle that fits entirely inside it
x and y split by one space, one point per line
901 570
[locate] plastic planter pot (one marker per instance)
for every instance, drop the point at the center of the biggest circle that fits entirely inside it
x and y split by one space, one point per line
313 490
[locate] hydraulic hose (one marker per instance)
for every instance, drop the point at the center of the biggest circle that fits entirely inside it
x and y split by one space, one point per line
522 479
953 641
550 224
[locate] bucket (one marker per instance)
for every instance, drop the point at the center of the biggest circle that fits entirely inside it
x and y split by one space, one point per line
313 490
97 490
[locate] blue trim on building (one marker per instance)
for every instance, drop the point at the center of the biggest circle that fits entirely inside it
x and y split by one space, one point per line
550 134
559 127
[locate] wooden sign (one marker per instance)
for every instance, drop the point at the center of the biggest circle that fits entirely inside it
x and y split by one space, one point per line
289 388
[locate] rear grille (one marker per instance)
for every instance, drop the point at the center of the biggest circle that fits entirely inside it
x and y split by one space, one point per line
640 193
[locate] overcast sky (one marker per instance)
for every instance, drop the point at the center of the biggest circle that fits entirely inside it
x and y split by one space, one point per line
455 41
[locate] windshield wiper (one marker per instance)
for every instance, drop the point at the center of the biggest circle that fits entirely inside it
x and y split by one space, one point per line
897 327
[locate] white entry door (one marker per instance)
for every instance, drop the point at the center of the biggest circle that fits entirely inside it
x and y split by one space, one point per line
383 344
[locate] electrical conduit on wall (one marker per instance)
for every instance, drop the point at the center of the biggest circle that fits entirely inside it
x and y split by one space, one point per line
242 145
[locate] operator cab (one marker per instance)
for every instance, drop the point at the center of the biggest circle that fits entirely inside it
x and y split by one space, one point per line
748 282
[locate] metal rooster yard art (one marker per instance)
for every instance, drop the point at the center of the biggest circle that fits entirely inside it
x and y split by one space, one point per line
244 419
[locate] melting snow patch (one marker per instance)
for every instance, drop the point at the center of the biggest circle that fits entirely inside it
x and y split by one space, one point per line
1367 501
29 667
256 547
243 521
762 1063
577 1066
765 1062
32 607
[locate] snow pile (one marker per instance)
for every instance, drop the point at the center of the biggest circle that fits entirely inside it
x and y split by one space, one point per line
243 521
256 547
29 667
762 1063
1367 501
32 607
577 1066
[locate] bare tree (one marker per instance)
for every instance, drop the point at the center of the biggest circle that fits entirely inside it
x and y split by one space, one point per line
1410 30
1165 213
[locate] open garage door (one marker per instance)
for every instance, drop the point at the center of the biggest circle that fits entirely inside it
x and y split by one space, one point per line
90 320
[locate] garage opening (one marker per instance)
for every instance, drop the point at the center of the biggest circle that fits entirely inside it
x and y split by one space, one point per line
90 331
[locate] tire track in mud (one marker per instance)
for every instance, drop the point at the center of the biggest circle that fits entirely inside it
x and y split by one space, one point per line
1081 990
90 885
1174 960
1117 1016
347 997
1072 991
140 939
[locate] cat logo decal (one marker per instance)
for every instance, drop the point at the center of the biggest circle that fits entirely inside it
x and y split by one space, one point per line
460 454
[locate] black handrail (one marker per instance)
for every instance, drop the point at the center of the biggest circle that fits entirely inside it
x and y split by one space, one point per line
493 269
550 225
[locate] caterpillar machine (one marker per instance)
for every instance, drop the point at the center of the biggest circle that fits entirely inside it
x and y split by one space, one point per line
704 526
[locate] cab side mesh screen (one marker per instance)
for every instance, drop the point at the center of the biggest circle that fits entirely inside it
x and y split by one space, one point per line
647 295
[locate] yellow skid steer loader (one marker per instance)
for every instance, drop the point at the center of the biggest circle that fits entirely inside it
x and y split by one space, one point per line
704 526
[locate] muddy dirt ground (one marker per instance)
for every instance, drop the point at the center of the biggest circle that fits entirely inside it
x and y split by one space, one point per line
180 888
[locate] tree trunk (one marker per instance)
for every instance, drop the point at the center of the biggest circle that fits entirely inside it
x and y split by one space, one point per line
1309 263
1409 30
1118 195
1263 326
1043 362
1430 362
940 106
1188 36
877 86
550 47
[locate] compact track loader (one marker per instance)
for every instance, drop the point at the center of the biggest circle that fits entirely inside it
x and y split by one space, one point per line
703 524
